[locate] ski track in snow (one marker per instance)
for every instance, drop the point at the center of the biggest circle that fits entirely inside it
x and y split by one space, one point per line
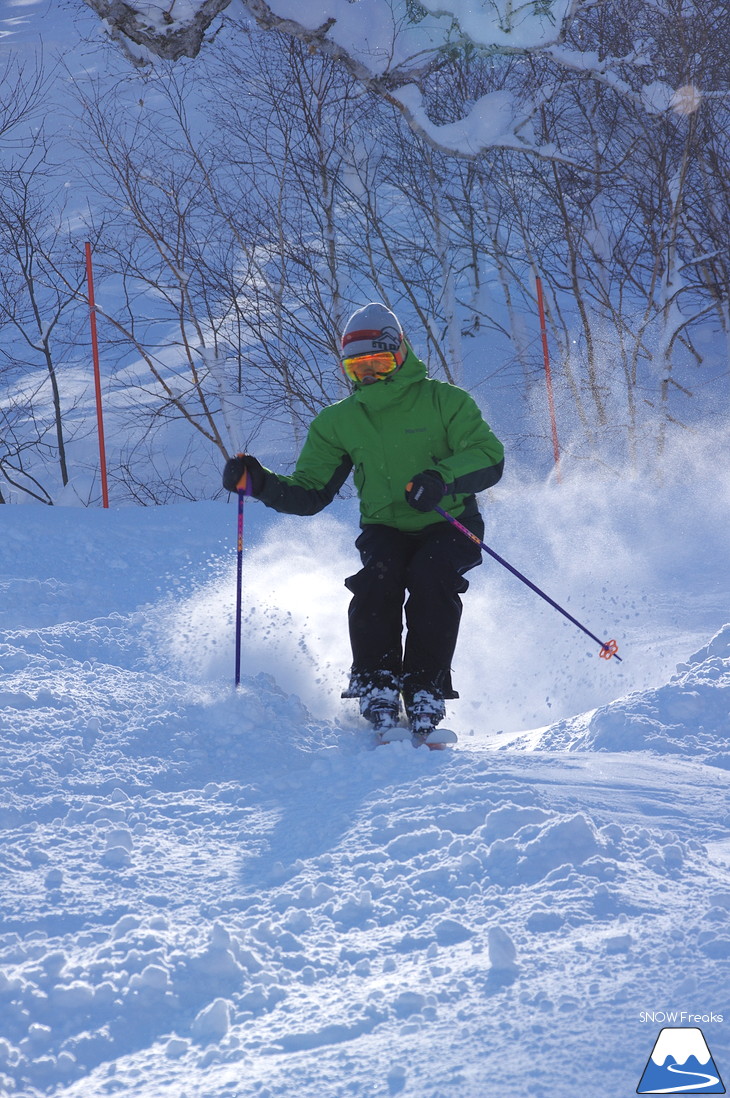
216 894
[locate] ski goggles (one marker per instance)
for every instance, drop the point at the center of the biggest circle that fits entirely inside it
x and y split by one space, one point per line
367 368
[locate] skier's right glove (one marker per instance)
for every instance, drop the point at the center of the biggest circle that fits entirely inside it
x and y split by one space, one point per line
236 467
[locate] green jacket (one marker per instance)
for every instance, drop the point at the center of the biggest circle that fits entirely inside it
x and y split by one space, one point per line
388 432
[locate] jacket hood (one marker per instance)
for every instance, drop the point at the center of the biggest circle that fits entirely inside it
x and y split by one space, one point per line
389 390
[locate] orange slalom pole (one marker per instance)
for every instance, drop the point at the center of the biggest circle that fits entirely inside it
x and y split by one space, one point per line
548 376
97 378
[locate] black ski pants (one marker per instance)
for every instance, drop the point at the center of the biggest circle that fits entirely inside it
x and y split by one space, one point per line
428 567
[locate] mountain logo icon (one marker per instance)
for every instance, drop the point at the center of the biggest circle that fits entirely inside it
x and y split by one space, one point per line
681 1063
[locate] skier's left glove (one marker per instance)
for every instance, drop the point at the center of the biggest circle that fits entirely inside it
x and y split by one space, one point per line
235 468
426 490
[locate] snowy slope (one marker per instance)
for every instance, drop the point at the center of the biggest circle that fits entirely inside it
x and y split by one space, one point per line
689 715
215 894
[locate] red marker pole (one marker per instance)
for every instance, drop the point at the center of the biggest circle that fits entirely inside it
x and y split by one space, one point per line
97 378
548 376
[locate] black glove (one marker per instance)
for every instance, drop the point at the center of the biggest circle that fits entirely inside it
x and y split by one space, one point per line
237 466
426 490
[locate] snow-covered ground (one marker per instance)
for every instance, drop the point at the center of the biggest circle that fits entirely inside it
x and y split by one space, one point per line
211 893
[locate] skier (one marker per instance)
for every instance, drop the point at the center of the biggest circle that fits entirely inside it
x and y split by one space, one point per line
414 443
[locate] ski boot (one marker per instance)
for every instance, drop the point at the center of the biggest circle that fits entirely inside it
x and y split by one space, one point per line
380 706
425 712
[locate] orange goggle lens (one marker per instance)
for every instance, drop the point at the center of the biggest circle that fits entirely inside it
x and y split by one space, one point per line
369 366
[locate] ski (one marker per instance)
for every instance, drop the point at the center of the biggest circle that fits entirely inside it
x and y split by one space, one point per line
438 739
435 739
392 734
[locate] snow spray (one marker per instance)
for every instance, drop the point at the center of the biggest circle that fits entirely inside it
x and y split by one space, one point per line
608 648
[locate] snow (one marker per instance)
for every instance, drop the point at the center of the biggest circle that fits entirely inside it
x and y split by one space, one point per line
489 122
211 892
688 714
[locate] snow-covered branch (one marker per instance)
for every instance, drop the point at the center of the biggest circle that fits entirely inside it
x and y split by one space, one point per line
391 47
159 28
362 29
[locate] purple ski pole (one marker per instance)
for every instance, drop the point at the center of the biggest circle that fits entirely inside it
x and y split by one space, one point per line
608 648
241 489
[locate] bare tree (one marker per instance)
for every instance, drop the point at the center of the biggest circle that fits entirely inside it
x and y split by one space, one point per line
22 100
38 314
156 247
24 446
259 236
619 231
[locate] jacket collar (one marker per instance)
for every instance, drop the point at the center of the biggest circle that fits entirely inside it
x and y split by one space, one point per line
390 390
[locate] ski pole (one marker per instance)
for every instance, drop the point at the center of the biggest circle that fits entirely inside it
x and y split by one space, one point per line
241 490
608 648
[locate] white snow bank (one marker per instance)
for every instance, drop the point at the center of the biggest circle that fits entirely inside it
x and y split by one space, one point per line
688 716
